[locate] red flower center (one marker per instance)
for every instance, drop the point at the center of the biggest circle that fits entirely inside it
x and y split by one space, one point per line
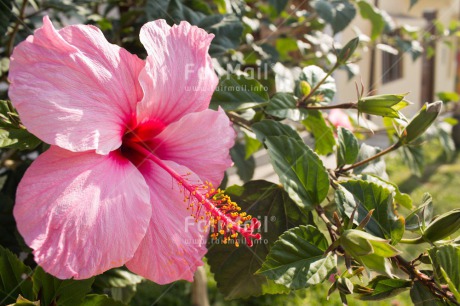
144 134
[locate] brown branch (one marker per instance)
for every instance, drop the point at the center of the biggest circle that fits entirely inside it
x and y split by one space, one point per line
10 42
426 280
239 121
393 147
331 228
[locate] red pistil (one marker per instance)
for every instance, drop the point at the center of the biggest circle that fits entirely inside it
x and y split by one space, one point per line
224 215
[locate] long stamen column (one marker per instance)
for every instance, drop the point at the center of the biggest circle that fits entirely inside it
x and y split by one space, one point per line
224 215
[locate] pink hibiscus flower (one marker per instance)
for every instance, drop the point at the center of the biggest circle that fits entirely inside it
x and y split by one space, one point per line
338 118
134 152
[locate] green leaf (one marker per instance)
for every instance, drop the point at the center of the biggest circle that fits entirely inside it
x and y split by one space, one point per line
244 167
284 105
297 259
279 5
366 196
285 46
374 15
221 6
337 13
402 199
359 243
347 147
266 128
450 121
414 159
447 96
14 278
100 300
448 257
421 296
18 139
445 138
300 170
410 46
412 3
117 278
376 167
233 267
172 10
422 215
345 285
154 9
62 292
313 75
252 145
8 186
238 92
21 301
323 134
384 287
227 29
377 264
124 294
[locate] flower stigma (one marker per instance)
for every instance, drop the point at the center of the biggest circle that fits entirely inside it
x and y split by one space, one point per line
212 205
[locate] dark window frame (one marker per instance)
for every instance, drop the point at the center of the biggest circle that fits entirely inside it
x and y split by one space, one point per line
392 67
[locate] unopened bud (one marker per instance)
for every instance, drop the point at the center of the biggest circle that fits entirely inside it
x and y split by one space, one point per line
347 51
305 88
383 105
421 122
444 226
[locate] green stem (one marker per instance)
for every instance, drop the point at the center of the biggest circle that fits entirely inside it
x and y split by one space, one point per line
412 240
350 105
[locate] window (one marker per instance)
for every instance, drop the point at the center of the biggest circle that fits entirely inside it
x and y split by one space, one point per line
391 67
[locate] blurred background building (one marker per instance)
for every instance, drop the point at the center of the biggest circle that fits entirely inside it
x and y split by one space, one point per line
425 70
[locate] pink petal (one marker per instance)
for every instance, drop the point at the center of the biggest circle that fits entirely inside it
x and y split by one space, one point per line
175 244
74 89
82 213
178 77
339 118
200 141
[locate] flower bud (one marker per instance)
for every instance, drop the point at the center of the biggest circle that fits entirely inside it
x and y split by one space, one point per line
347 51
421 122
305 88
443 226
383 105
